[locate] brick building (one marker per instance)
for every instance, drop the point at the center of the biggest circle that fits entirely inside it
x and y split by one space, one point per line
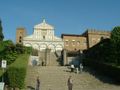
94 36
75 44
84 41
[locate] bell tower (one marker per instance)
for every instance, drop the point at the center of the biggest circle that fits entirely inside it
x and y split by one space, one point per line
20 33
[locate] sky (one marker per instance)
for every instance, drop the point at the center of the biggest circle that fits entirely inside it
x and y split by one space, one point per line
67 16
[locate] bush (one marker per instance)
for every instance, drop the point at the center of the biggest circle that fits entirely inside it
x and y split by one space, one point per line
28 50
9 51
20 49
16 72
16 77
104 58
34 52
115 41
106 69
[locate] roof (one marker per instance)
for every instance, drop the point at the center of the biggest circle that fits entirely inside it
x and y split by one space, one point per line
44 25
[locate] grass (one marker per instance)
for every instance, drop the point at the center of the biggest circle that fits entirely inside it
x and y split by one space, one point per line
21 61
1 72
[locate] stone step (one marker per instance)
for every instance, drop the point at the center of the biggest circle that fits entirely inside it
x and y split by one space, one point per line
55 78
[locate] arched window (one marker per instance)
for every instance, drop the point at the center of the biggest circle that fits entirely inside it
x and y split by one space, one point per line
20 37
20 41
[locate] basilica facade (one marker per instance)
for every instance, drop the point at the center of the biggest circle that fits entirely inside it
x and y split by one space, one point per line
50 46
42 38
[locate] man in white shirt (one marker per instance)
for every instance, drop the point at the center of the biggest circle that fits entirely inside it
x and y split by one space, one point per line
72 67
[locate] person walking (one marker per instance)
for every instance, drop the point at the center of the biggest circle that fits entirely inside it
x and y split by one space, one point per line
81 68
37 83
70 83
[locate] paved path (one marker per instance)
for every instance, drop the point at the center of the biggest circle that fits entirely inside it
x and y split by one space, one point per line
55 78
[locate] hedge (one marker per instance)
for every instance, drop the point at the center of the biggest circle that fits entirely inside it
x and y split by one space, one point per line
103 59
105 69
16 77
16 72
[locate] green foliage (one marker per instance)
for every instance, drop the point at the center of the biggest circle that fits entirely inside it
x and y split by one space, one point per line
16 72
115 35
10 51
21 61
20 48
10 57
28 50
105 56
115 42
7 51
1 34
16 77
34 52
110 70
5 44
100 52
107 51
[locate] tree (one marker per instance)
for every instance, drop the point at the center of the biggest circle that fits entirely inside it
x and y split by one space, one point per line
1 34
115 35
7 51
115 40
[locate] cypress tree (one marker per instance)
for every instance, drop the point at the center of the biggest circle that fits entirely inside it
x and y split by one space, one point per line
1 34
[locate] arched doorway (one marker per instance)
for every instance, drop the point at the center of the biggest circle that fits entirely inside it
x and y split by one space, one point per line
51 47
59 47
43 47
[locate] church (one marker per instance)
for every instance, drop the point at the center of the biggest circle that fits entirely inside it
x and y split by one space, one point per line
50 46
42 38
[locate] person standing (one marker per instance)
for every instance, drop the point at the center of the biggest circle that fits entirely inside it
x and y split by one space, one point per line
70 83
38 83
72 67
81 68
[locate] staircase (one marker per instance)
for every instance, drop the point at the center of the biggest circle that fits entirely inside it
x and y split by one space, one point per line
51 58
55 78
58 53
54 60
51 77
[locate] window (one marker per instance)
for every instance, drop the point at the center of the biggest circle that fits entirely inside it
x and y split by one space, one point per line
44 37
20 41
66 42
73 42
78 43
20 37
44 32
